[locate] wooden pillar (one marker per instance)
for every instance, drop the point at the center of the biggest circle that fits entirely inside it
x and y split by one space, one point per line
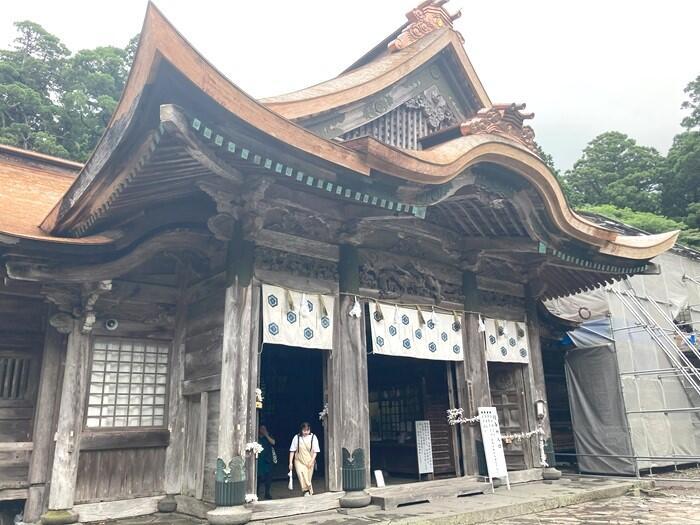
253 375
70 423
44 424
473 373
239 314
535 385
177 407
347 375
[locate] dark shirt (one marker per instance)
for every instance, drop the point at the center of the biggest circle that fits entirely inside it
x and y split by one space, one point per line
265 457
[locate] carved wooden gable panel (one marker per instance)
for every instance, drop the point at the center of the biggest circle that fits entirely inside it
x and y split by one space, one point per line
403 127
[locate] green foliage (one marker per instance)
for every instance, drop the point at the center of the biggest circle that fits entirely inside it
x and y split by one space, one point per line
615 170
644 220
55 102
693 104
693 217
649 222
549 162
690 237
681 185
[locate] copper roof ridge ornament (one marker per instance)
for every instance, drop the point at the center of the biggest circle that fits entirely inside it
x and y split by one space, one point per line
503 119
424 19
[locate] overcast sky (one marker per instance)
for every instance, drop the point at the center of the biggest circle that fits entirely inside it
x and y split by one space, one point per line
583 67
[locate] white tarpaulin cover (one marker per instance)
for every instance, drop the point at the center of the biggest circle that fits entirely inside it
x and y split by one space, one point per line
506 341
297 319
398 331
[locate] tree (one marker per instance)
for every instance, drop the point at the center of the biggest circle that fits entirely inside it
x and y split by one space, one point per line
693 90
615 170
681 188
55 102
93 81
549 162
648 222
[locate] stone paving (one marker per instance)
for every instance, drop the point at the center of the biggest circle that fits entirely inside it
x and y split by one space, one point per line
525 505
667 506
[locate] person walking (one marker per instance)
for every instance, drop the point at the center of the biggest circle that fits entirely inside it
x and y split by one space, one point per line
302 457
266 460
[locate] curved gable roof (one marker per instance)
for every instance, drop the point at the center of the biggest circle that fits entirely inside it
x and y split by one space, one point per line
375 76
30 185
160 42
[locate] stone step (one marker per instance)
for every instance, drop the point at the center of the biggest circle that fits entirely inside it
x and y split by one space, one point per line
361 511
390 498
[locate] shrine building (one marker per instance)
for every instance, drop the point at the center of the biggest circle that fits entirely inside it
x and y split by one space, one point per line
364 255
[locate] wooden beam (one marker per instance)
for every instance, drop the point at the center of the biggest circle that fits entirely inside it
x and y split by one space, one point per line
239 304
298 245
254 350
191 387
177 404
516 224
201 449
478 213
453 400
473 386
497 219
124 439
70 421
13 494
44 423
174 122
535 372
177 239
19 446
459 219
347 376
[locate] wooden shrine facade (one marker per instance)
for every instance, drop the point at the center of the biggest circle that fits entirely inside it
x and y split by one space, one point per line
132 286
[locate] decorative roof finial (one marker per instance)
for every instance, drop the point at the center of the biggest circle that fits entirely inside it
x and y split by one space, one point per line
503 119
424 19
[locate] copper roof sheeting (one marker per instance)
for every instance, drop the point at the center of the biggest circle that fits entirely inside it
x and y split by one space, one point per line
160 42
374 77
30 185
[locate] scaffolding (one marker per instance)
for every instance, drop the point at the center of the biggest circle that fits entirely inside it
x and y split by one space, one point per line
633 378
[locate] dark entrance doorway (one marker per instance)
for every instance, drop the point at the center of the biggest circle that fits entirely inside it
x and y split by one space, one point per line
554 358
291 380
401 392
507 385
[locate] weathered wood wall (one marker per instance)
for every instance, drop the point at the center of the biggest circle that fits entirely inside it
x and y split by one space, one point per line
205 319
202 433
118 474
204 329
120 464
435 405
21 325
210 446
22 321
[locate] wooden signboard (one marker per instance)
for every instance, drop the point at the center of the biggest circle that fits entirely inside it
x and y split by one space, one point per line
424 448
493 445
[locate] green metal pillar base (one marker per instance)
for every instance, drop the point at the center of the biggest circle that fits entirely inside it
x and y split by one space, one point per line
355 499
59 517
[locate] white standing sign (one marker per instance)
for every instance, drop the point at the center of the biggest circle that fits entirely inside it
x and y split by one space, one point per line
424 447
493 445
